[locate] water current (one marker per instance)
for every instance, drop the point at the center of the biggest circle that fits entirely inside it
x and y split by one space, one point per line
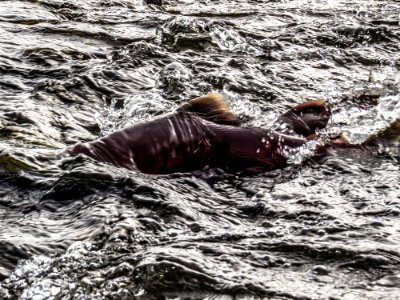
72 228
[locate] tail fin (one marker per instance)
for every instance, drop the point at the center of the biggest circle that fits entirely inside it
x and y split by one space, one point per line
304 119
387 137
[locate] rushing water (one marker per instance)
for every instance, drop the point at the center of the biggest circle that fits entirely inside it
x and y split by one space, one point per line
72 228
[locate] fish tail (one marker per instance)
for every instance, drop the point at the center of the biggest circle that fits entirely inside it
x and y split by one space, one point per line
387 137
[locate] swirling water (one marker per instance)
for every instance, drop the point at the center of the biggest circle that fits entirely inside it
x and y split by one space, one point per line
72 228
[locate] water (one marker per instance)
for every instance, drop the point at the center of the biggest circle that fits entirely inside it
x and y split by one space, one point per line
72 228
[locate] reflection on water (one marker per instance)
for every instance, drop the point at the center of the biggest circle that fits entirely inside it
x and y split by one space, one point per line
72 228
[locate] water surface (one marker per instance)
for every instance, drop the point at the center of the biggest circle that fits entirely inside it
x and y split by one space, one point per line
73 228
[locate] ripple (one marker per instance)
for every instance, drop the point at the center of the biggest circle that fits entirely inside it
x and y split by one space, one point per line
73 227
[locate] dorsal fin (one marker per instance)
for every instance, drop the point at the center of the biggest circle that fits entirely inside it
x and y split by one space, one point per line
212 107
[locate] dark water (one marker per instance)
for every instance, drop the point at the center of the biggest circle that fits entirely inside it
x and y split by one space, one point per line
72 228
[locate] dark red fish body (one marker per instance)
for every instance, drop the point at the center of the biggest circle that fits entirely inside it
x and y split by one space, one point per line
184 142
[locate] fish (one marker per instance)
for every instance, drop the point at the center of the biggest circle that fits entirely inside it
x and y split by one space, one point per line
204 133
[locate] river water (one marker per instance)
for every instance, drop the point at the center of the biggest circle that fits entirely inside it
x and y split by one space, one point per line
72 228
